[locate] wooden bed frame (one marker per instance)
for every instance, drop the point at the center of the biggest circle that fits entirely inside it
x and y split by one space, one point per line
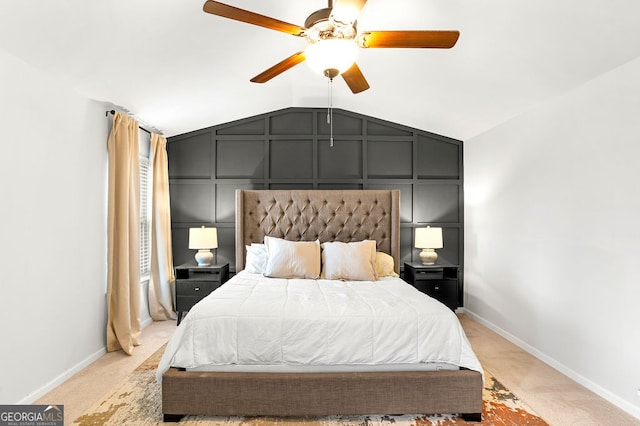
326 215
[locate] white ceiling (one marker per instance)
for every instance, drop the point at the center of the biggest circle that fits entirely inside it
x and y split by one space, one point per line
179 69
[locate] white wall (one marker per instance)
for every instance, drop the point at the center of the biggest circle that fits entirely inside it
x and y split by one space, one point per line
53 161
552 224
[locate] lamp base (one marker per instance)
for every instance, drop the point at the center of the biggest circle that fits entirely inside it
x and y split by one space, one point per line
428 256
204 257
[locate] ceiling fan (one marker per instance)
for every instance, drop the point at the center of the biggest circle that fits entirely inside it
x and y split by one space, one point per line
333 39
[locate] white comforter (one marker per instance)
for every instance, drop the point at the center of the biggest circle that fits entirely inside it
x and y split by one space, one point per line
267 321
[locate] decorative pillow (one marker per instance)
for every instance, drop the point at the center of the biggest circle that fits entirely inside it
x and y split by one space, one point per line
384 265
256 258
292 259
349 261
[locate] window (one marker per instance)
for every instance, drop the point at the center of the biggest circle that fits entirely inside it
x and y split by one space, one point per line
146 183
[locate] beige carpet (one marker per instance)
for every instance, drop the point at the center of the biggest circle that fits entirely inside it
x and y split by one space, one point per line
137 401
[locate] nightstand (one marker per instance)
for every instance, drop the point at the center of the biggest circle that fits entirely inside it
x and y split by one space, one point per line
194 282
439 281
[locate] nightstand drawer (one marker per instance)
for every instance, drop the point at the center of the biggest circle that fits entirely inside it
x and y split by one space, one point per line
194 287
429 274
190 292
446 291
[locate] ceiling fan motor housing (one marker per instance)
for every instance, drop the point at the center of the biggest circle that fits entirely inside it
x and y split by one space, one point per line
317 16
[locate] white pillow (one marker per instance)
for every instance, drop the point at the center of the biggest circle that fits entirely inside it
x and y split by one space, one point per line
349 261
384 265
256 258
292 259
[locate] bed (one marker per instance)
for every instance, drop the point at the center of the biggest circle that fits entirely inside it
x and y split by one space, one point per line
357 219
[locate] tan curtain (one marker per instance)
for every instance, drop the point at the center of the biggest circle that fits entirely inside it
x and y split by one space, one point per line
162 278
123 269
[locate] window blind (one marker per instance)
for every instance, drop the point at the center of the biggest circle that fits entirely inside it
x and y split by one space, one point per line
145 218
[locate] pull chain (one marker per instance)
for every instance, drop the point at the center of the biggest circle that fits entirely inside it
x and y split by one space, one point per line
330 113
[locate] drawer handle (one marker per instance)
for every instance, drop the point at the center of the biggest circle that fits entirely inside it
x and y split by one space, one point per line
197 288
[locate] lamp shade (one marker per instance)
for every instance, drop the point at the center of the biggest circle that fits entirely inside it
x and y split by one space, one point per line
331 54
428 238
203 238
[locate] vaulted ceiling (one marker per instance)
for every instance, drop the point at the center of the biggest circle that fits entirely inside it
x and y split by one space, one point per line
179 69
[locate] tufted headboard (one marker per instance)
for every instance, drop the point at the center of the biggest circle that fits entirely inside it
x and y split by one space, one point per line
326 215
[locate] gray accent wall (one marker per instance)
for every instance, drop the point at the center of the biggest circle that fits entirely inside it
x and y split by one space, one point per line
290 149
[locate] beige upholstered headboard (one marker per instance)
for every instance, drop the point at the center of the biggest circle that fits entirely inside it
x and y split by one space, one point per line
326 215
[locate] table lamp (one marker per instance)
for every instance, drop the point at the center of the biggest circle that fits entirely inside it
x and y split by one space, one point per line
203 239
428 239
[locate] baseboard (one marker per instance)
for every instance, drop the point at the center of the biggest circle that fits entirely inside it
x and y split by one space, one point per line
39 393
594 387
146 322
35 395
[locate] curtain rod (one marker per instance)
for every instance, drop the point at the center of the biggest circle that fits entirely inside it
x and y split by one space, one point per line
112 112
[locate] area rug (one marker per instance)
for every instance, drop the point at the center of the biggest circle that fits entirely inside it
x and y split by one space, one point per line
136 401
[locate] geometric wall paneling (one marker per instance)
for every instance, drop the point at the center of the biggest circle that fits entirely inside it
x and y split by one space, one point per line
225 200
406 248
376 128
281 154
390 159
239 159
190 202
437 202
295 123
347 124
226 245
450 238
252 126
191 158
438 159
291 185
290 149
406 197
180 245
340 186
343 160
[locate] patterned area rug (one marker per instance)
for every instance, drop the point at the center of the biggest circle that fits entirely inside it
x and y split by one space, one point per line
137 401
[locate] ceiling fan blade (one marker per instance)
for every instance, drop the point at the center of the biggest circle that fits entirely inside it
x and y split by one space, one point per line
355 79
231 12
279 68
417 39
347 10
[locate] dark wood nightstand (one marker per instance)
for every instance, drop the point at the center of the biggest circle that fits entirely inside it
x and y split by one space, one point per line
194 282
439 281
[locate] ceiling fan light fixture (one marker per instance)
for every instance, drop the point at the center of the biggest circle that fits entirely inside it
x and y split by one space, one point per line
334 39
346 14
327 56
